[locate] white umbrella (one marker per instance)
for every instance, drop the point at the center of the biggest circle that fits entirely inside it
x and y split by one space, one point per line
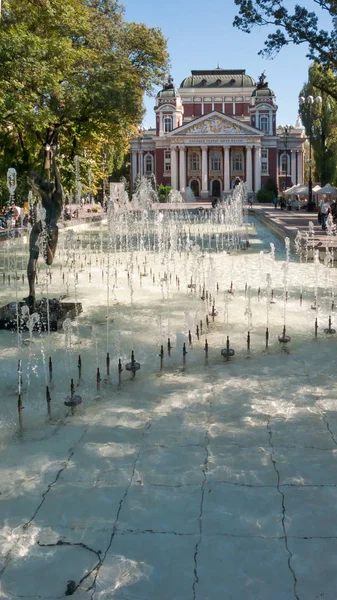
328 189
302 190
316 189
292 190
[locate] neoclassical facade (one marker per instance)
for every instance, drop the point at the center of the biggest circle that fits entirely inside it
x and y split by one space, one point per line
217 128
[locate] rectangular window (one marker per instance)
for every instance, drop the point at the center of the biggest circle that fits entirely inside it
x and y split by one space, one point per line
264 161
167 161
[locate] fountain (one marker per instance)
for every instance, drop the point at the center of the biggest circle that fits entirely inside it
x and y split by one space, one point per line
147 279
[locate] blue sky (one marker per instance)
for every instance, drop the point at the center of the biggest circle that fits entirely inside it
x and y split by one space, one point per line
200 38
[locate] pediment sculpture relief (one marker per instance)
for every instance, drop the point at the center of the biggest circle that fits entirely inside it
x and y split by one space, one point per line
215 126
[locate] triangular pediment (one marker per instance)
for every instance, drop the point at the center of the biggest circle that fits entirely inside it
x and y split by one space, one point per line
215 123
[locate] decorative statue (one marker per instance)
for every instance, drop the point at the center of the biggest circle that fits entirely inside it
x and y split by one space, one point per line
169 85
51 198
262 81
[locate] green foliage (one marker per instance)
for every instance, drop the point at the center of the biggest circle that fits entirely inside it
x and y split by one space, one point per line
73 73
268 192
163 192
271 186
264 195
294 25
324 127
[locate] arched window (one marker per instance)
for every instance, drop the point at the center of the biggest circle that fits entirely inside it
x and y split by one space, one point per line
264 123
285 164
216 161
194 160
237 162
167 124
148 164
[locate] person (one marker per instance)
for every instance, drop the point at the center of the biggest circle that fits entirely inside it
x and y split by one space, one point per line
275 201
297 202
66 213
324 211
51 198
333 209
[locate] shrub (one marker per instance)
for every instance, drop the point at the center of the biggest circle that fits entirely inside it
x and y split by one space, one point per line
163 192
264 195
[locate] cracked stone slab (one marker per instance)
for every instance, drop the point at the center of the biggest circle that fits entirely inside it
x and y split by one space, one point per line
161 509
170 466
247 430
311 511
59 564
241 511
178 428
305 431
320 581
250 466
239 568
75 506
143 566
108 462
306 466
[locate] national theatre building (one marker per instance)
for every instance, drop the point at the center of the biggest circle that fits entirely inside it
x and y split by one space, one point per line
219 127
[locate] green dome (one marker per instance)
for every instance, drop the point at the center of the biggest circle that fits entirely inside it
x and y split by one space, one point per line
218 78
264 92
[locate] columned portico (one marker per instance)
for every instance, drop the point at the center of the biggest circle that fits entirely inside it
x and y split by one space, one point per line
182 169
227 184
249 169
204 172
257 168
174 168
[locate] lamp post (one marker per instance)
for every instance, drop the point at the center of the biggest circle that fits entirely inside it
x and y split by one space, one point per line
286 130
309 101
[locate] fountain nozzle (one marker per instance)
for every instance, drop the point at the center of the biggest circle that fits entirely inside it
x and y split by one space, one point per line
74 399
329 330
227 352
133 366
284 339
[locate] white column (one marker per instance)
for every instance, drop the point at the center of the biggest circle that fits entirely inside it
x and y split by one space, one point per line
257 168
293 167
174 170
271 122
300 167
134 165
204 172
174 120
202 107
160 123
227 184
182 169
249 169
140 163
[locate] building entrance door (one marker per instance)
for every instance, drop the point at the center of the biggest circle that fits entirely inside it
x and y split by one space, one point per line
195 187
216 191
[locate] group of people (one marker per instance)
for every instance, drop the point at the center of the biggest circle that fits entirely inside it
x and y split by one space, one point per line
13 216
289 203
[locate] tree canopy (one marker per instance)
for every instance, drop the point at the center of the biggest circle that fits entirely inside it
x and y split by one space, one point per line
73 73
297 26
323 124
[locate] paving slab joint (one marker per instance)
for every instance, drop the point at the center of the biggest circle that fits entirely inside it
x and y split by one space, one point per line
290 555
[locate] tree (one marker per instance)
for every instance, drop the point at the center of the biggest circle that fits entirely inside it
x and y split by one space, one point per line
73 73
323 122
295 27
